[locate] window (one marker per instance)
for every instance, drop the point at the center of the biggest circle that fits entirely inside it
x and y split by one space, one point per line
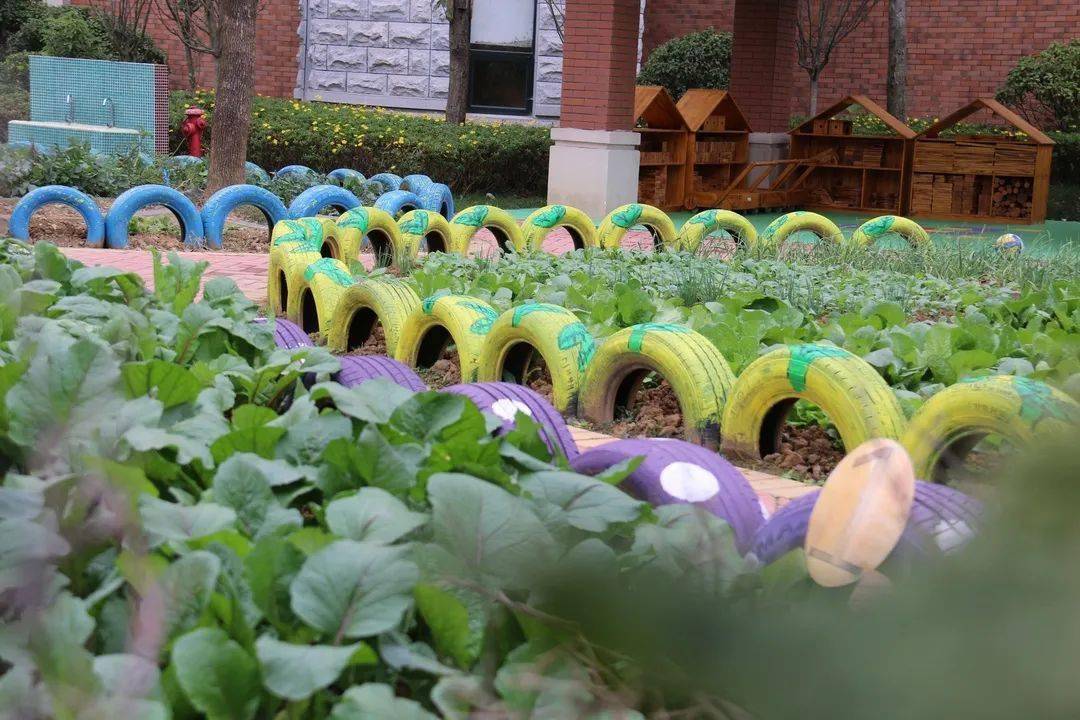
500 81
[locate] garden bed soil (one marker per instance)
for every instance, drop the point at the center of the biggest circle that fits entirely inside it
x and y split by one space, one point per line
374 345
445 372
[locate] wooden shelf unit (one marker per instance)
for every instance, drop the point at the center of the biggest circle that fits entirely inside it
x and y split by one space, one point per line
983 177
863 173
719 148
662 178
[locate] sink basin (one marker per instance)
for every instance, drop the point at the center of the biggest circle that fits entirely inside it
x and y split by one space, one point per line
100 137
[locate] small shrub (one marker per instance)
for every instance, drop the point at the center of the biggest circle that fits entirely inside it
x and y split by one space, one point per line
697 60
14 14
14 105
1045 87
15 165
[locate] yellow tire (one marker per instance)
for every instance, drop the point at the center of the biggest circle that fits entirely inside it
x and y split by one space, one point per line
953 421
552 331
285 276
692 365
422 226
331 242
706 223
784 226
843 385
443 320
325 282
537 226
304 233
386 301
498 222
621 219
376 225
872 230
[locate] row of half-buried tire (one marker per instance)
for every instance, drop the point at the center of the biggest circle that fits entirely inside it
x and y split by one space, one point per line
673 472
742 416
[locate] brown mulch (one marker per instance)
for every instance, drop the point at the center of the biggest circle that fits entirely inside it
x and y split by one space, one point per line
538 378
655 412
374 345
445 372
806 451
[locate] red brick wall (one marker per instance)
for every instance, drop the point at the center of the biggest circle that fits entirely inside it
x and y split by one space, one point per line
276 51
957 49
599 55
761 77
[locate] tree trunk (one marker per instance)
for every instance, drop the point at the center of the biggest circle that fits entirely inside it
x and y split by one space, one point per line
457 101
813 94
896 82
235 86
192 69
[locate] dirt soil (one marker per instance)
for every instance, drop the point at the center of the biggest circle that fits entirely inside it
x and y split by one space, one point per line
374 345
807 452
655 412
445 372
538 378
64 227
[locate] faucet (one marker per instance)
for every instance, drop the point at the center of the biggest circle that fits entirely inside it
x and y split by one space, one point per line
107 102
70 103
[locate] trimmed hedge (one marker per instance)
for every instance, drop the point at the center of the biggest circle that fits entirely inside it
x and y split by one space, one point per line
696 60
475 157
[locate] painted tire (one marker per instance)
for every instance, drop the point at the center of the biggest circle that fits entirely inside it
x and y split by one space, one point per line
387 301
314 199
371 224
185 160
19 224
506 400
844 386
253 170
357 369
784 226
302 234
695 369
301 170
942 521
133 200
289 335
225 200
552 331
342 174
676 473
441 320
415 183
706 223
331 241
423 227
389 181
437 198
285 279
621 219
398 202
952 422
537 226
498 222
325 282
870 231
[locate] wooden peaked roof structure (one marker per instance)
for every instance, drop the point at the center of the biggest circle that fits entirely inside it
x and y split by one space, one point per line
867 104
699 103
654 105
1036 135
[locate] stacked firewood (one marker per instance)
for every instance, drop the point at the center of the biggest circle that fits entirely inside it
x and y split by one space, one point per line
1012 197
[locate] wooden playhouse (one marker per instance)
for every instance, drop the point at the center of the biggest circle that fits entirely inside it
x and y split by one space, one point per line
719 146
664 142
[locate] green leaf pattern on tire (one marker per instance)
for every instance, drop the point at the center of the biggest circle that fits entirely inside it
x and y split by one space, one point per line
637 335
329 268
576 334
472 217
1037 402
628 217
801 358
528 308
482 325
417 224
879 226
707 218
550 217
306 232
357 219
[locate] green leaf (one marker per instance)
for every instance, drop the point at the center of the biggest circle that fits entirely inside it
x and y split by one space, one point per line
296 672
372 515
171 521
352 590
218 677
270 568
373 401
456 618
129 676
186 586
240 484
432 416
375 701
493 534
171 384
579 501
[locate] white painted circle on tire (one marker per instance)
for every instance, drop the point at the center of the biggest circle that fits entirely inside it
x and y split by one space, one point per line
508 409
689 482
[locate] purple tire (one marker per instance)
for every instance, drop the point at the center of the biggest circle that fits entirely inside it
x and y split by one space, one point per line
357 369
505 400
677 472
287 334
942 521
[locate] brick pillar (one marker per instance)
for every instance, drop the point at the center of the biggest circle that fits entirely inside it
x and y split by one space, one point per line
594 159
762 63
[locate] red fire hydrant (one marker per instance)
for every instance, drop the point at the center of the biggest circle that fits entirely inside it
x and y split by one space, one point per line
192 129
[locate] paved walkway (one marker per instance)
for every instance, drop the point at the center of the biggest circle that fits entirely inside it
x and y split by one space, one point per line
249 272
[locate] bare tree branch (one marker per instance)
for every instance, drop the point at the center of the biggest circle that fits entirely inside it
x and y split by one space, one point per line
820 26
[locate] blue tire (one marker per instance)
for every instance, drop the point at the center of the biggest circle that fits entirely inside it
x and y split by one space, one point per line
314 199
252 170
389 181
438 198
225 200
342 174
184 160
133 200
294 170
398 202
415 183
19 225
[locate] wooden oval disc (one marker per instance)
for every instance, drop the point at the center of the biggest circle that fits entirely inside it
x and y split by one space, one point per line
860 514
